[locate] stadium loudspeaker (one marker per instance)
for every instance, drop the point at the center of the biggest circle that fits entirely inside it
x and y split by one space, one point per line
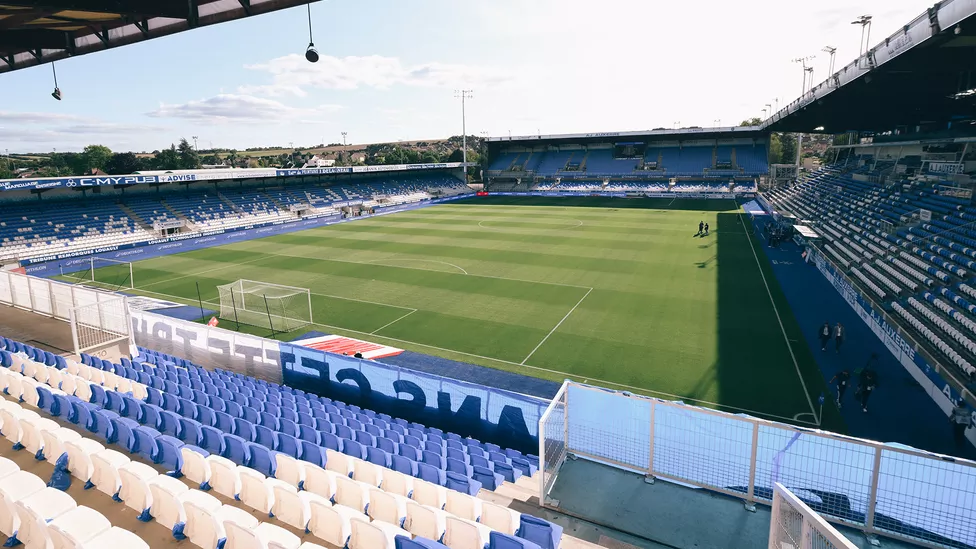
56 94
311 54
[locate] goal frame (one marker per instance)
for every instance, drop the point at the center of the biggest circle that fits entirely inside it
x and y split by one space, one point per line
91 271
238 287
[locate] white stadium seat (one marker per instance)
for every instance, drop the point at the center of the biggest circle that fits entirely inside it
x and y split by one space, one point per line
239 537
289 469
369 473
14 488
339 463
115 537
195 467
205 525
77 526
36 511
425 521
319 481
295 508
7 467
498 517
257 491
54 442
352 494
105 470
387 507
31 431
135 491
79 457
464 534
463 505
374 535
166 507
333 523
429 494
225 479
397 483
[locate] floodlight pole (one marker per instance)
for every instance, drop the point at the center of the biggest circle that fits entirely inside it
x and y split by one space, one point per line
195 143
832 51
464 95
344 138
865 22
803 62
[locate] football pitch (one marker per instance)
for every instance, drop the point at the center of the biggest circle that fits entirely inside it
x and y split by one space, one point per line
613 292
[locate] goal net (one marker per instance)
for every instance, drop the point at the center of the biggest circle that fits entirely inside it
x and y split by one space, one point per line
104 273
266 305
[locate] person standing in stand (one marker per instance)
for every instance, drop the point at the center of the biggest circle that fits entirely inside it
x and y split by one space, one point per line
824 336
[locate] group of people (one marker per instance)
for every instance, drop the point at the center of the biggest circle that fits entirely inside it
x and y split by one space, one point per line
776 233
702 229
866 382
826 332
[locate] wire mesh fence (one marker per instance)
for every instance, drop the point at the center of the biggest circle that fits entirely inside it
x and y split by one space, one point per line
793 524
900 492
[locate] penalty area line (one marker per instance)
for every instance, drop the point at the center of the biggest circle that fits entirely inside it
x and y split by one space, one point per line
554 328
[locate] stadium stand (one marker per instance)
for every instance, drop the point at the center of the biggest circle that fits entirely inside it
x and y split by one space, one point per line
334 473
920 270
670 161
29 229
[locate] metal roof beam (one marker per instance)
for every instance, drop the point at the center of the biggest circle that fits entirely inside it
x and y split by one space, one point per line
158 8
33 39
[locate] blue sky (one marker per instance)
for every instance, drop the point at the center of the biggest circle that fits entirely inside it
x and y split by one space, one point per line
389 69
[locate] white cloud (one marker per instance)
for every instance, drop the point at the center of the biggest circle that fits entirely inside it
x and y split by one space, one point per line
240 109
67 130
293 75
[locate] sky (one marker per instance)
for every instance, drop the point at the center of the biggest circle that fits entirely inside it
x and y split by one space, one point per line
389 70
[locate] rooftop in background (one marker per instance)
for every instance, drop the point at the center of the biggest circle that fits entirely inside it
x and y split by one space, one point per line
36 32
921 75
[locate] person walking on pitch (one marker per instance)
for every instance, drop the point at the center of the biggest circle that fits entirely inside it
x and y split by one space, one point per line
706 229
867 382
701 227
838 336
961 419
824 336
841 378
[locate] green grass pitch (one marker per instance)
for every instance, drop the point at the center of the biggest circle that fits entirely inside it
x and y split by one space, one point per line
619 293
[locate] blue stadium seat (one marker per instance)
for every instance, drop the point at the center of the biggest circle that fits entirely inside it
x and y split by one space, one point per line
191 432
213 440
543 533
500 540
168 453
488 478
236 450
428 472
144 442
124 429
245 429
313 453
260 459
151 416
102 425
266 437
404 465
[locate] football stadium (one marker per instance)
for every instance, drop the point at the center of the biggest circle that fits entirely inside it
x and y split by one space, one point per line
582 340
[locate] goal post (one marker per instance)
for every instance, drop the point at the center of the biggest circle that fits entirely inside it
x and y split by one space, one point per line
111 272
266 305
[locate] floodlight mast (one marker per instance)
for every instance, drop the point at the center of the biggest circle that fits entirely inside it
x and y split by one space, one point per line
865 22
464 95
832 51
803 62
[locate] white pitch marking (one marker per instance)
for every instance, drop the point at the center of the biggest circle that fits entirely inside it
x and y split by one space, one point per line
554 328
394 322
806 392
418 259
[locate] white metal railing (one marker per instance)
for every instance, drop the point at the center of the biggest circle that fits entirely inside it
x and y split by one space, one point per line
900 492
97 318
794 525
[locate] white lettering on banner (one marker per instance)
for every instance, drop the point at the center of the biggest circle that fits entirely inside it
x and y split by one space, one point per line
899 44
946 167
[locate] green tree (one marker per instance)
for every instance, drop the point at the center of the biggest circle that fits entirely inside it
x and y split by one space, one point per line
788 149
122 164
456 156
189 159
96 157
167 159
775 148
751 122
429 158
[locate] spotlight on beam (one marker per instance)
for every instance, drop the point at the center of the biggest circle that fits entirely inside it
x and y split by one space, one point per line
56 94
311 54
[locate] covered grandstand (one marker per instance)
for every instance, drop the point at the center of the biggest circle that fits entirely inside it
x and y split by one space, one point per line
699 160
57 218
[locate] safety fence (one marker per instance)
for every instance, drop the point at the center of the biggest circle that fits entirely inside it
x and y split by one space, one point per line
794 524
97 317
927 499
